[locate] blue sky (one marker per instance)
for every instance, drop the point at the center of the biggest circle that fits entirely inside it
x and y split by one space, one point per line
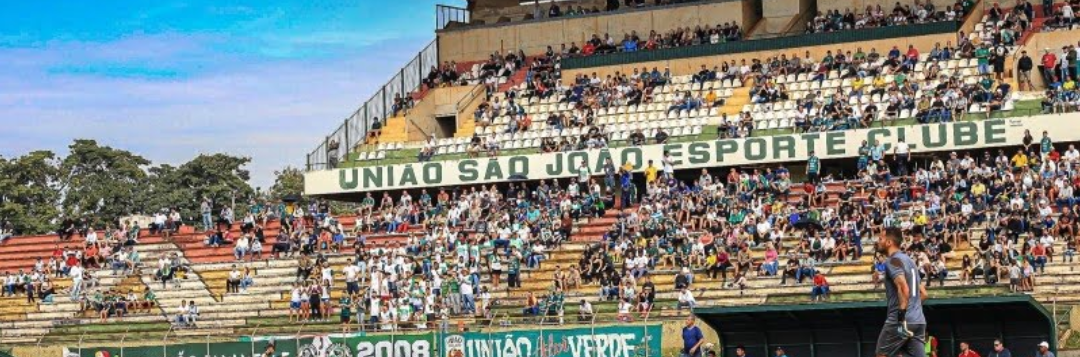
172 79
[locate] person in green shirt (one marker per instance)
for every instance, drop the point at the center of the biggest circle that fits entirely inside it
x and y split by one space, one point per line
513 270
1046 145
813 168
345 305
982 54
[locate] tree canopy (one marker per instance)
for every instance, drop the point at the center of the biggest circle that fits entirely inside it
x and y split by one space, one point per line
104 184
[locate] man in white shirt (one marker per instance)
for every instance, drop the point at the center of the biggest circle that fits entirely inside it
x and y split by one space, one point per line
1072 155
232 285
585 311
192 313
351 273
182 313
686 299
241 247
902 153
76 274
467 297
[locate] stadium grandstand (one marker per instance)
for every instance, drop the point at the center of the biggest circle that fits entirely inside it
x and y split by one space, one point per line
602 170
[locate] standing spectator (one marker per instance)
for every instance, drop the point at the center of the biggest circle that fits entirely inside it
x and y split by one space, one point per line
692 339
1049 61
1044 347
966 351
1024 66
999 350
813 168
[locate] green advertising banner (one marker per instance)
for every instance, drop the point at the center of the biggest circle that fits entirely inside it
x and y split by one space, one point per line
612 341
355 345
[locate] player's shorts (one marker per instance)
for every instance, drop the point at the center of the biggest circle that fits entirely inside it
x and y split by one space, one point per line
892 343
295 305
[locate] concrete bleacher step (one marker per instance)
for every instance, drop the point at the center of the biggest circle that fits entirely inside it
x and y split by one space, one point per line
203 332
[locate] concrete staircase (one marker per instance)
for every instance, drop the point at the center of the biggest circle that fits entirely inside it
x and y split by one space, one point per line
739 97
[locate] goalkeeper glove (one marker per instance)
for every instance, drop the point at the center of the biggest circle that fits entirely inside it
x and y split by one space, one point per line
902 328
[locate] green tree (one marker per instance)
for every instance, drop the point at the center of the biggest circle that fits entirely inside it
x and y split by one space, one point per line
218 177
102 183
289 181
29 196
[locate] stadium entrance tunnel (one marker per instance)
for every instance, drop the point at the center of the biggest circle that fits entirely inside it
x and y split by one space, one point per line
850 329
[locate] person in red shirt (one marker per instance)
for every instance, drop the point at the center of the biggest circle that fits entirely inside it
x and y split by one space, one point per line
588 49
912 54
966 351
1054 155
1038 252
820 292
1048 62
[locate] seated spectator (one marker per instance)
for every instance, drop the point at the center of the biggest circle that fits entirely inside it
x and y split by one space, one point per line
820 291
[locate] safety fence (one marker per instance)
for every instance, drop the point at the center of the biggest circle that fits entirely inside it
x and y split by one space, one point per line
337 146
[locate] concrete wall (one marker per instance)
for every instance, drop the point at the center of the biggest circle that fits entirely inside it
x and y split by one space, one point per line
421 118
779 15
472 44
1040 41
692 65
673 335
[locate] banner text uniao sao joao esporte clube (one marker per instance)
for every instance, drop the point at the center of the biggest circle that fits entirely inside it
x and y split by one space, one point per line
726 152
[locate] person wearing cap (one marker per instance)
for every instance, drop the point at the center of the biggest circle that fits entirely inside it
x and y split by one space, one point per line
1024 66
999 350
1044 350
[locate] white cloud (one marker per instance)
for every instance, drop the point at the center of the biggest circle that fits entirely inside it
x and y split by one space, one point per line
275 112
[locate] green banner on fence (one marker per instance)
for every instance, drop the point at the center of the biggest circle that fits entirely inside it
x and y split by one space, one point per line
406 345
612 341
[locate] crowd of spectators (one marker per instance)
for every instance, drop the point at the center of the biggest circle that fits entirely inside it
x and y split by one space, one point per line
1019 204
1060 17
453 238
875 16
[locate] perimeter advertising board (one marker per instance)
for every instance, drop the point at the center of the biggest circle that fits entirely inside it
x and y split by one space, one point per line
611 341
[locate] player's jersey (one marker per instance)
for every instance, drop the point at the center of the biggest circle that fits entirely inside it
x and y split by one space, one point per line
900 263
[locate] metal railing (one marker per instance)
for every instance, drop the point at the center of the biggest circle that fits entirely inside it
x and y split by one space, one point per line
446 14
337 146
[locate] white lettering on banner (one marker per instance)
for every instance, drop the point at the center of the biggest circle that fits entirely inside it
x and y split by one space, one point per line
600 345
401 348
700 154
